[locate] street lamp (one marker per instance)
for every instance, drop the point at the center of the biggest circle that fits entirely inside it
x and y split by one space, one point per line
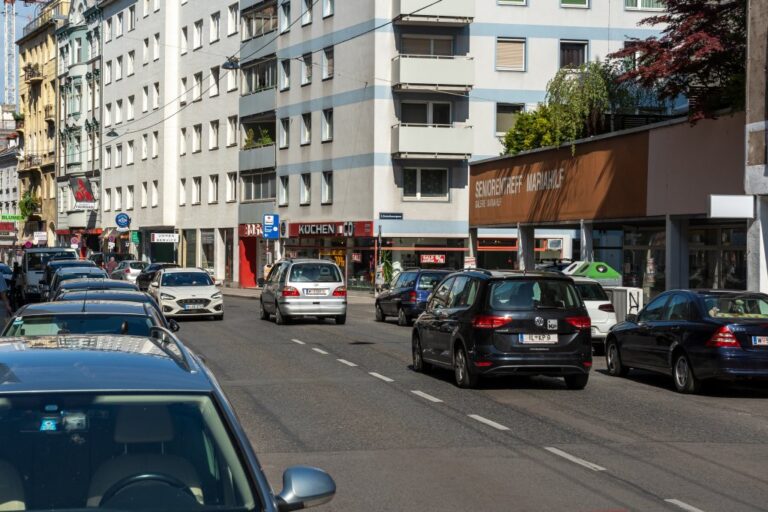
112 133
231 64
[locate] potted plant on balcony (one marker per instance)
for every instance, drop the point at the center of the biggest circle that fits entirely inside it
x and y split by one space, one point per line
28 205
265 139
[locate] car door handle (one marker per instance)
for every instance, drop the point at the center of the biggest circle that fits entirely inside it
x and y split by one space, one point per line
675 328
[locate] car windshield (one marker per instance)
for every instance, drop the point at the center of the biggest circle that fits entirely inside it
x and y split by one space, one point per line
315 273
428 281
591 291
736 306
37 261
533 294
48 325
187 279
67 451
137 265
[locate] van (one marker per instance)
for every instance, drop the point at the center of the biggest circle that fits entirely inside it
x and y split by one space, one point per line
33 268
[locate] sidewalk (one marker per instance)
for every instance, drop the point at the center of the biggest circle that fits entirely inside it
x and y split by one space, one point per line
353 296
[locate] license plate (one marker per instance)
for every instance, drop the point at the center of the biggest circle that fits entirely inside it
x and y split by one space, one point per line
193 306
538 338
314 292
760 341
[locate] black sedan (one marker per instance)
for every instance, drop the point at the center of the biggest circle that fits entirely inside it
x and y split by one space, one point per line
92 284
149 273
694 336
111 295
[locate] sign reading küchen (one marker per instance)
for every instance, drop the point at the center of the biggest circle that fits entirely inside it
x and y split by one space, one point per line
331 229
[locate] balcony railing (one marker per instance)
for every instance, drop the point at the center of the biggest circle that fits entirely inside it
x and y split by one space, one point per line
432 141
433 73
54 9
33 73
50 113
429 12
30 162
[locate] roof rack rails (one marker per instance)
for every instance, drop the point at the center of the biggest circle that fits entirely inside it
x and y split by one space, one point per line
162 343
480 270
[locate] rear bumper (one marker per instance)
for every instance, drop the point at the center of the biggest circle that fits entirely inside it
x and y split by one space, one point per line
413 310
731 364
554 364
313 307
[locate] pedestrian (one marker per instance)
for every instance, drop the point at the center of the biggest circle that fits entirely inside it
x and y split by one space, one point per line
6 312
111 265
16 284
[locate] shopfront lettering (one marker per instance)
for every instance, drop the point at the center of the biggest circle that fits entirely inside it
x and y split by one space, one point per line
545 180
506 186
317 229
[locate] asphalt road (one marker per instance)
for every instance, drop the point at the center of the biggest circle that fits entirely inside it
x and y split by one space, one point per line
345 399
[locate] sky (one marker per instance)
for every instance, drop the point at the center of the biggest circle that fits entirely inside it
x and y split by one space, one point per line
24 14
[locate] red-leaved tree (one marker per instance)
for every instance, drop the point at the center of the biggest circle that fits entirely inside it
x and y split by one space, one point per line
700 54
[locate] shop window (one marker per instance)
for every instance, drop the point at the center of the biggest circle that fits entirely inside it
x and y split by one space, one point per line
190 238
425 184
207 249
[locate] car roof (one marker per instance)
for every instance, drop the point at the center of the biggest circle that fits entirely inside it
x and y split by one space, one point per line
512 274
116 307
70 263
102 283
49 249
306 260
85 269
36 364
175 270
582 279
706 292
121 294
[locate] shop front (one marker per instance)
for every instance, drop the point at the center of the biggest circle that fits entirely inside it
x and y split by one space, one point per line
85 241
253 254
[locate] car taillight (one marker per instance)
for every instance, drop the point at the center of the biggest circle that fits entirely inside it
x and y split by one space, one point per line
723 338
341 291
412 298
127 271
290 291
579 322
489 321
608 308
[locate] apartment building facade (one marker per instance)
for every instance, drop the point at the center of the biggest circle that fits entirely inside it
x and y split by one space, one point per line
381 105
37 128
78 169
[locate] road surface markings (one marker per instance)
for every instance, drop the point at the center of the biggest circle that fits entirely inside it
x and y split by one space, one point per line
298 341
348 363
491 423
574 459
427 396
683 505
320 351
380 376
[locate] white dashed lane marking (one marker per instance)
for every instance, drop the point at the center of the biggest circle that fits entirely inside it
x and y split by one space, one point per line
320 351
348 363
426 396
683 505
490 423
380 376
298 341
574 459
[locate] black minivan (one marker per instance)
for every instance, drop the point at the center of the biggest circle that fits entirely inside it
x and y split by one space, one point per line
482 323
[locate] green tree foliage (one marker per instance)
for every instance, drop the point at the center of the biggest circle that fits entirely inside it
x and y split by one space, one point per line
28 205
532 130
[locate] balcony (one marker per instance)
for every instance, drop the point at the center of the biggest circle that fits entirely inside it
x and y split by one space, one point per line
260 157
30 162
454 13
33 74
54 10
50 113
433 73
432 141
258 102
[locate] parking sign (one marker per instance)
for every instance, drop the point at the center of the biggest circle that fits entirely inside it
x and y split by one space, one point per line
271 227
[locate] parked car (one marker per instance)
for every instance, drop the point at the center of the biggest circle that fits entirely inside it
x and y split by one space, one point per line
54 265
600 309
92 284
129 423
101 258
694 336
63 275
128 270
187 292
149 272
110 295
85 317
33 268
481 323
304 287
7 274
406 298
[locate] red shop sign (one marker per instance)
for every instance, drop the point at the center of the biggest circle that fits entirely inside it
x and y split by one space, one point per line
250 231
432 259
357 257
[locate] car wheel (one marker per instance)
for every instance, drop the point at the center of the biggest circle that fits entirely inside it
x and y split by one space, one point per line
682 373
464 379
613 360
576 381
280 319
263 312
418 358
380 317
402 318
341 319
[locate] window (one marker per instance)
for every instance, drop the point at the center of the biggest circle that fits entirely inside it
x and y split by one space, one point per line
232 14
156 47
231 186
129 198
306 69
118 155
145 98
107 199
144 194
213 82
259 186
130 113
131 63
144 146
327 63
306 128
107 157
183 141
285 124
182 192
196 190
145 52
513 2
506 115
650 5
213 135
213 188
154 193
259 77
327 8
306 15
426 45
573 53
197 35
119 24
285 74
654 310
215 27
231 80
107 114
425 184
131 18
155 5
119 112
326 188
197 134
574 3
155 144
183 91
285 17
108 72
146 8
156 95
184 40
510 54
426 113
119 68
108 29
231 131
197 87
326 125
305 196
129 153
283 199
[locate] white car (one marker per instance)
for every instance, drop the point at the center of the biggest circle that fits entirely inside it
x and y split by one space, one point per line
128 270
187 292
599 307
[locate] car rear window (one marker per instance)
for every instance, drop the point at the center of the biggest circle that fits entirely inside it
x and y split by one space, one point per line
315 273
428 281
138 265
524 294
736 306
51 325
591 291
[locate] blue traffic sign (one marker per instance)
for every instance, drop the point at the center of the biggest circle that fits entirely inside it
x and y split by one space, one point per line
271 227
122 220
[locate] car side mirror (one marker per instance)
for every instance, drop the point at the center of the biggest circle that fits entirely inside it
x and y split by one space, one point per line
174 325
305 487
631 317
153 284
218 283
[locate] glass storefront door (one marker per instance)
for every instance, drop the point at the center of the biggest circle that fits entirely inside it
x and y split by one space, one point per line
190 247
229 249
207 249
